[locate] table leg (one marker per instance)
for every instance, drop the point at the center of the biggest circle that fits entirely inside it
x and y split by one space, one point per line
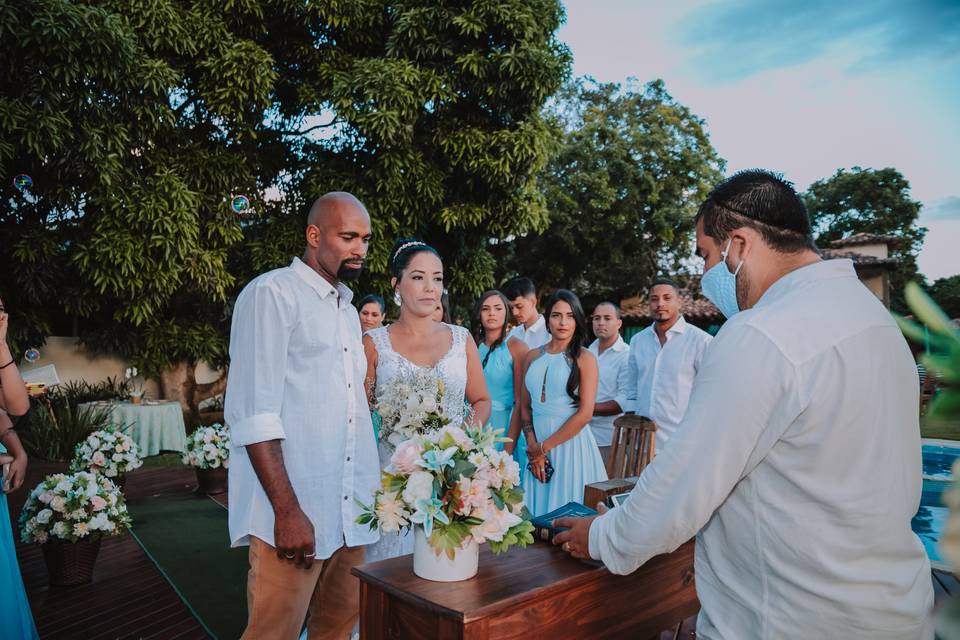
373 613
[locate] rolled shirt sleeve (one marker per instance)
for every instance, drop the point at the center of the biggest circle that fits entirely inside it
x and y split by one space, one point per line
259 336
744 397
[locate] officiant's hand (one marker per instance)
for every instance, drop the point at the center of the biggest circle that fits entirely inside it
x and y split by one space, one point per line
576 539
294 536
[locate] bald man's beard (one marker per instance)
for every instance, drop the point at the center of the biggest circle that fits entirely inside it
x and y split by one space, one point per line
346 273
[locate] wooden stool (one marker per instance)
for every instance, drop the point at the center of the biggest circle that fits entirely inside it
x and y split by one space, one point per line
633 446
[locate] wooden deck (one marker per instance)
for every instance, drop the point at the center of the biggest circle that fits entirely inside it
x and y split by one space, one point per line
129 598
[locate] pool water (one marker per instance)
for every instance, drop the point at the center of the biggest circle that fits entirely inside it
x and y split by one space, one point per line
928 524
931 519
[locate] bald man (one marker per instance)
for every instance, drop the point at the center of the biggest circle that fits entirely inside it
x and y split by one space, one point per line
302 444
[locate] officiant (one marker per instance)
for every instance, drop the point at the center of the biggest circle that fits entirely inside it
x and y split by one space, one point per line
302 444
797 464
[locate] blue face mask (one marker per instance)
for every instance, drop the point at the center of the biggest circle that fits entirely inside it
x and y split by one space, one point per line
720 286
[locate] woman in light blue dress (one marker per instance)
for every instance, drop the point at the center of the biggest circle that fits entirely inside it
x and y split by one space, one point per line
559 391
502 360
16 621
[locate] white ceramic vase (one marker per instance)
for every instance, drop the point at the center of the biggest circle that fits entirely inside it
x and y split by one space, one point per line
439 568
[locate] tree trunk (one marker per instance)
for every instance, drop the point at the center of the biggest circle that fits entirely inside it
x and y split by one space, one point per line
178 381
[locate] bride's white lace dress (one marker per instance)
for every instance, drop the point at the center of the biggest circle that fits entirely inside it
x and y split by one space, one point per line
391 366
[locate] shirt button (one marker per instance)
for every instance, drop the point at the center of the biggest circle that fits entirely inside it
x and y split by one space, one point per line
344 349
344 497
349 386
348 458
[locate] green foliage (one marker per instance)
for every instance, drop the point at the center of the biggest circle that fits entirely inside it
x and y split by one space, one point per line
869 201
623 191
139 120
53 431
944 338
946 293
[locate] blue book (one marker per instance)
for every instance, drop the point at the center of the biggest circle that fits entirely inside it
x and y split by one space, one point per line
543 525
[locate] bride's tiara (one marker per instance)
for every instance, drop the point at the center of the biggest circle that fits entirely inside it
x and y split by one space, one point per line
403 247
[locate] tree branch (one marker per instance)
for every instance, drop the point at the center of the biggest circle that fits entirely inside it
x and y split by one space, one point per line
304 132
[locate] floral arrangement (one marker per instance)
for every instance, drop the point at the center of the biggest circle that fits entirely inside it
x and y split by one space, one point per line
208 447
455 484
132 375
107 452
410 407
71 507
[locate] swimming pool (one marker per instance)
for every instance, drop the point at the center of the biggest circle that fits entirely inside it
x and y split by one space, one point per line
938 457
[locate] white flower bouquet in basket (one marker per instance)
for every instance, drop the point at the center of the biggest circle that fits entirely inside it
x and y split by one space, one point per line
108 452
456 490
208 447
411 406
73 507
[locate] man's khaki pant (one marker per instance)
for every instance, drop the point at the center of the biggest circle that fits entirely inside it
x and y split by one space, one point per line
280 594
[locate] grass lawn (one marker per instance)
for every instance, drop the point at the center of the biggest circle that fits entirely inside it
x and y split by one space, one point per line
167 460
942 429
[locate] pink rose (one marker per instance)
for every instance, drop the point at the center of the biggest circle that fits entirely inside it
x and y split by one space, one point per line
98 458
404 459
98 503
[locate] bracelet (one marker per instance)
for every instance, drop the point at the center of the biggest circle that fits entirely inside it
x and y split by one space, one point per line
7 365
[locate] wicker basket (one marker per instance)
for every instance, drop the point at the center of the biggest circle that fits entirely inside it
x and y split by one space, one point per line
211 481
70 563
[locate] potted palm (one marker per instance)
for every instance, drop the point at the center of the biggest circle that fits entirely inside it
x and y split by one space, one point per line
208 452
69 515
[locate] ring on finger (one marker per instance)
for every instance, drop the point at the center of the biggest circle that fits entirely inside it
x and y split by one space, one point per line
290 557
309 555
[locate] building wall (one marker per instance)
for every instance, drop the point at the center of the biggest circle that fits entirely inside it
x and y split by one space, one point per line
75 363
879 250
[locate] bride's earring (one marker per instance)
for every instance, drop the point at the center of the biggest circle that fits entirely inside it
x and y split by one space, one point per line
396 298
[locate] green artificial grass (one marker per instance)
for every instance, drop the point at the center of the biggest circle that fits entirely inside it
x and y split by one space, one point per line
186 537
169 460
942 429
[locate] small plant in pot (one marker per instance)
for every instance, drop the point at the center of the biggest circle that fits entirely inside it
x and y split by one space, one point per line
208 451
109 453
69 515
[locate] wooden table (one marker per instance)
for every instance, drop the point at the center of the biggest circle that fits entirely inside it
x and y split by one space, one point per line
537 593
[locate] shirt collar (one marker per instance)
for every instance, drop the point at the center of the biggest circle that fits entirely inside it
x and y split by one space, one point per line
680 326
539 325
818 271
318 284
619 345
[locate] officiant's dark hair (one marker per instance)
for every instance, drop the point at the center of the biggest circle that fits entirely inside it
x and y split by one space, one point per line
577 342
403 251
478 331
761 200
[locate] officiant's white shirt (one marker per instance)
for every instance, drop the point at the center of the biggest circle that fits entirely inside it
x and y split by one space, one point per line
798 462
610 363
296 375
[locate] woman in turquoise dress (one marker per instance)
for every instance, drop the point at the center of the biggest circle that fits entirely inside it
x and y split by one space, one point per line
16 621
502 360
559 391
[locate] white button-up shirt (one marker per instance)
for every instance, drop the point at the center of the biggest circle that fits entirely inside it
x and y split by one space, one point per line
610 362
533 337
656 381
798 462
296 375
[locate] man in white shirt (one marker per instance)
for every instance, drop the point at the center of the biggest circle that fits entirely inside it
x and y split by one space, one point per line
531 327
664 358
798 463
302 444
611 352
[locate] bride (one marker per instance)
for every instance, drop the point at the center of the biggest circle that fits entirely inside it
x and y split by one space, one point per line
417 343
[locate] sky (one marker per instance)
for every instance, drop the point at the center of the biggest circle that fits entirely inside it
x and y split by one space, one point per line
804 88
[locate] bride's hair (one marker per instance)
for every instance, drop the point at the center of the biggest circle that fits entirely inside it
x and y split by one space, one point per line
577 342
402 253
